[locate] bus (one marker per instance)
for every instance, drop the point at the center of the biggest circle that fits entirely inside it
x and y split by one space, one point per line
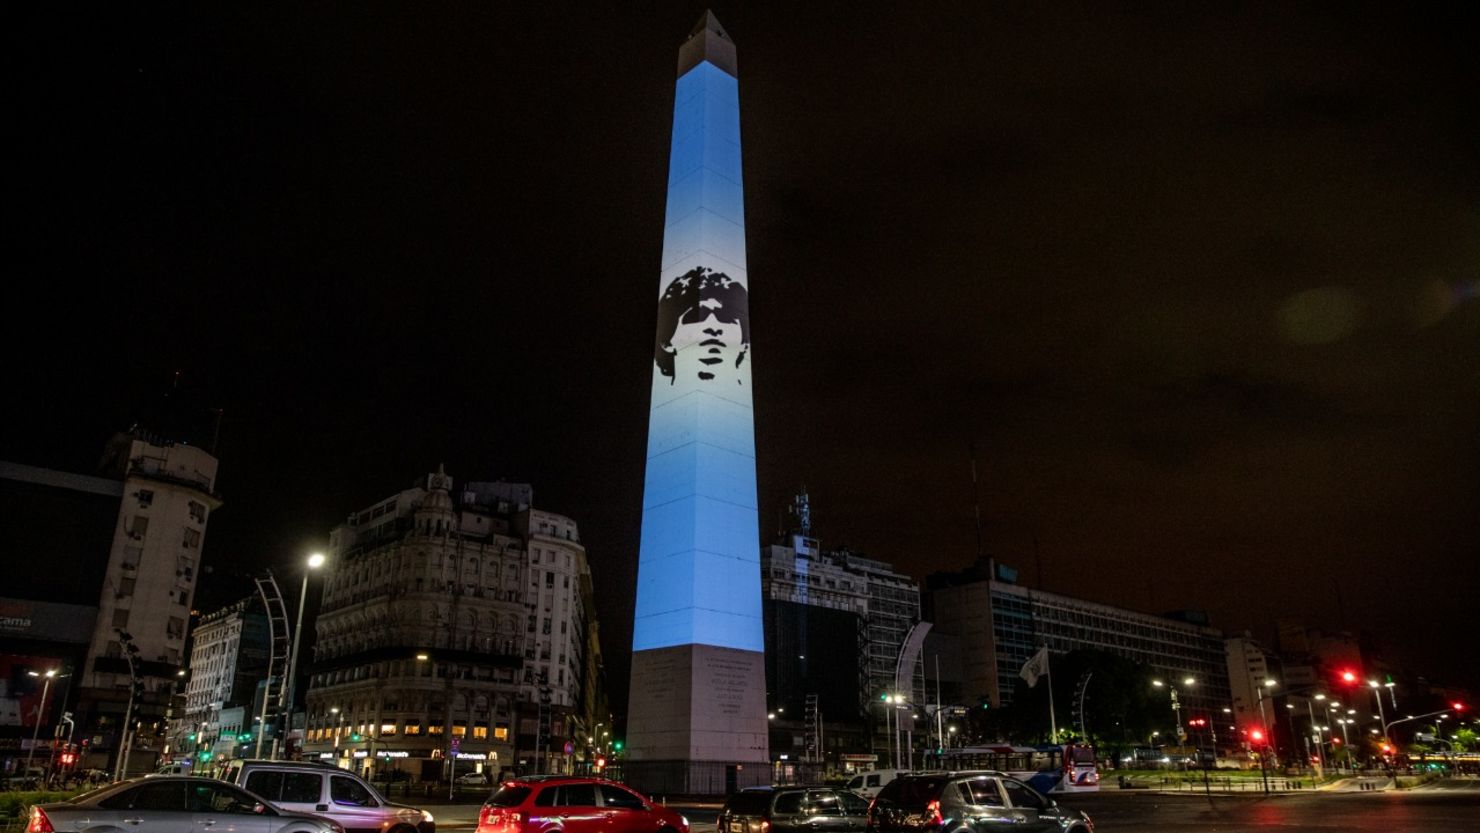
1047 769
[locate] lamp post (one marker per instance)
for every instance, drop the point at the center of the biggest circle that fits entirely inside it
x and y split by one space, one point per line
40 712
1263 719
314 562
1177 705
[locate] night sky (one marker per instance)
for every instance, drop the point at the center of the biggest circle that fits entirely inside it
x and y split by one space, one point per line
1200 285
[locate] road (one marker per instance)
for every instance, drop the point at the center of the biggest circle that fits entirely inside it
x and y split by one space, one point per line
1444 807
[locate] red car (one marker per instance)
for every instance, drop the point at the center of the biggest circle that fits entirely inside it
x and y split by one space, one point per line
574 804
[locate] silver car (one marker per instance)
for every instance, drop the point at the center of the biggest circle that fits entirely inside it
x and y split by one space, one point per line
173 804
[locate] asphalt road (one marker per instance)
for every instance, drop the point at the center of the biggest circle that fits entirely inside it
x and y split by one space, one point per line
1436 810
1451 806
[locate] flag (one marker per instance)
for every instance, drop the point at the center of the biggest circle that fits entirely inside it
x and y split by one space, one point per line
1035 667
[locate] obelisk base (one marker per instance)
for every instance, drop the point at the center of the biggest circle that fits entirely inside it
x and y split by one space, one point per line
696 723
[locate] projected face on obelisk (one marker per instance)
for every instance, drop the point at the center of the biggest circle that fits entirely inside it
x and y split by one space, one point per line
703 329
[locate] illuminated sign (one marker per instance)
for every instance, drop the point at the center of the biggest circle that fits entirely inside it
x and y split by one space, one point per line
699 556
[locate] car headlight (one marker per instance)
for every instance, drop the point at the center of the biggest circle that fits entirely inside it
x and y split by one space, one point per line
427 817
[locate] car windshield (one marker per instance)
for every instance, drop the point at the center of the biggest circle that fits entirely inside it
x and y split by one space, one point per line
911 792
509 796
749 804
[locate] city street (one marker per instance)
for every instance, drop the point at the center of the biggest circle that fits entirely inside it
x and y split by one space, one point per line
1452 805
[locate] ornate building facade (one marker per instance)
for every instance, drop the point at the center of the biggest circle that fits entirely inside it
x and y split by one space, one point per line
455 629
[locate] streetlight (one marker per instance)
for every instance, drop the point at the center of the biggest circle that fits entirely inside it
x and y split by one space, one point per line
40 712
314 562
1176 704
1263 719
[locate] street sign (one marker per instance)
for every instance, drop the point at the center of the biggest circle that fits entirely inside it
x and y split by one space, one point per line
456 745
569 747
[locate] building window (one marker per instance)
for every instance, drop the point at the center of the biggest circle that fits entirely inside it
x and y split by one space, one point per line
120 618
198 512
434 729
145 497
191 538
480 730
459 729
413 727
501 732
139 528
549 579
126 587
387 729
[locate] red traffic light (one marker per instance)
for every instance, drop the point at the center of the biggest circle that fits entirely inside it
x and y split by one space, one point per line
1257 734
1348 676
1459 707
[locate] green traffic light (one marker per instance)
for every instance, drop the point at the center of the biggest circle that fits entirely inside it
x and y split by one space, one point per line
617 745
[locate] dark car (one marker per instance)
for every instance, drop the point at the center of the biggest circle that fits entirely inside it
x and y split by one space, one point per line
969 802
792 809
574 804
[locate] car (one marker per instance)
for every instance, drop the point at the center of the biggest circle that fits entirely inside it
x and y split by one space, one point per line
574 804
327 790
477 778
796 808
172 804
868 784
969 802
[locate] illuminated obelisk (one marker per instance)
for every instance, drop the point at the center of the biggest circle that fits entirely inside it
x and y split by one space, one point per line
696 720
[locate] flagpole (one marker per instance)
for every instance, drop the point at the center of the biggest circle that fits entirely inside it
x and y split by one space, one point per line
1052 722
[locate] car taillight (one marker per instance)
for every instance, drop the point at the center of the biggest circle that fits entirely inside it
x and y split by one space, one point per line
483 815
933 811
39 822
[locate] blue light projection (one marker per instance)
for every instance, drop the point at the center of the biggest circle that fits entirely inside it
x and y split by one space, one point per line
698 575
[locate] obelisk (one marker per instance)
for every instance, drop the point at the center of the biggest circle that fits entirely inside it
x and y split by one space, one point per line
696 721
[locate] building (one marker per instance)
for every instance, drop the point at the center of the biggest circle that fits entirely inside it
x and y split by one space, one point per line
228 658
1250 681
696 721
111 563
1001 625
454 626
836 623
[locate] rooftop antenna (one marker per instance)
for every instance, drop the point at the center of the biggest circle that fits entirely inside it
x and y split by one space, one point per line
216 429
976 497
803 509
1038 557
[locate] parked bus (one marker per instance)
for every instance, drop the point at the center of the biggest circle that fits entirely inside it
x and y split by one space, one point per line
1048 769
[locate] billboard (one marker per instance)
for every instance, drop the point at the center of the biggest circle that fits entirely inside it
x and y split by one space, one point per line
699 557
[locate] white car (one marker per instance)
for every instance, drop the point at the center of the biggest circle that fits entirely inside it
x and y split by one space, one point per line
478 778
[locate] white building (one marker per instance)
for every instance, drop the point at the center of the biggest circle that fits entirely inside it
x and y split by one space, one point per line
228 656
153 567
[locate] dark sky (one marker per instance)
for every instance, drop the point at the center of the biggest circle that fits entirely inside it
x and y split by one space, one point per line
1198 281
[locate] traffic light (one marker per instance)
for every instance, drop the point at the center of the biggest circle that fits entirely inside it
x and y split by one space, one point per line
1257 735
1459 707
617 745
1348 676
